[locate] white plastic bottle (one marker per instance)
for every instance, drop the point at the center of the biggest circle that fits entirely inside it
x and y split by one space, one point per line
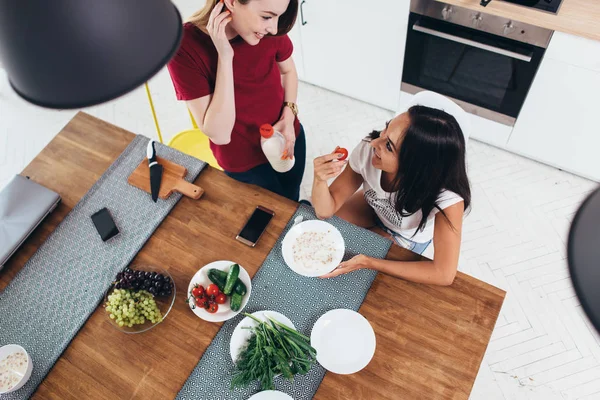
273 145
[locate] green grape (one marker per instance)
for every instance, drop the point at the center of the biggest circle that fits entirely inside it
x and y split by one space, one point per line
129 308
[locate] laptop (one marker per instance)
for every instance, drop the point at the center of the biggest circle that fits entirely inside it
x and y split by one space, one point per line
23 206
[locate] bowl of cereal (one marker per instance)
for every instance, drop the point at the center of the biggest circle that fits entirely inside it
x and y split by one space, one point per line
15 368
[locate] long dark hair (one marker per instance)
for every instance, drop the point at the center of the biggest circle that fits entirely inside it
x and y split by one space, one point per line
431 159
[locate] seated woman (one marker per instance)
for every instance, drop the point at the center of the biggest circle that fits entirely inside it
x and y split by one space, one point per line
415 190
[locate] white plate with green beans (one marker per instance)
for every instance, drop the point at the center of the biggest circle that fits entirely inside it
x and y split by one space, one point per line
243 331
203 277
265 345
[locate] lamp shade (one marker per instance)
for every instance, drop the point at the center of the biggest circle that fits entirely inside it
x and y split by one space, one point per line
78 53
584 256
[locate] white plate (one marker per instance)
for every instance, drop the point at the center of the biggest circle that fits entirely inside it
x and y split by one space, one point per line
201 278
240 336
344 340
313 226
14 348
271 395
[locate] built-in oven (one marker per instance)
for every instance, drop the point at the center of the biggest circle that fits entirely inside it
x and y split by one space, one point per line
484 62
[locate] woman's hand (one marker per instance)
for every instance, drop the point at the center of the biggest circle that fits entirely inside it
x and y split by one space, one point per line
285 125
326 169
355 263
216 29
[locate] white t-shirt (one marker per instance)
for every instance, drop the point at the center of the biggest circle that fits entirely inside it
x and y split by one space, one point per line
379 199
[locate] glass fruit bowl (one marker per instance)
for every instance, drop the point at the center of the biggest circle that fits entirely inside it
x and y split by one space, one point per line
144 284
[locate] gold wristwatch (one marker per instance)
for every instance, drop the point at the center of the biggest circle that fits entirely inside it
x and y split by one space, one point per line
292 106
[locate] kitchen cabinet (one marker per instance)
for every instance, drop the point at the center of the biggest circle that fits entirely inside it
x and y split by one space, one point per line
354 47
558 124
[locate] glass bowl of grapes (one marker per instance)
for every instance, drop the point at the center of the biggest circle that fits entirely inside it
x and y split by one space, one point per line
140 298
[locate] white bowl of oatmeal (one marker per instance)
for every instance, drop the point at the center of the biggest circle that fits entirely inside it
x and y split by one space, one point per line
15 368
313 248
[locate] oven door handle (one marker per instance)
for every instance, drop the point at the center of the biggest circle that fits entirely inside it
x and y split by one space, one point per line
469 42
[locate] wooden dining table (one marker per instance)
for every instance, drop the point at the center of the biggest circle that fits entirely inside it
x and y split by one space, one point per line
430 339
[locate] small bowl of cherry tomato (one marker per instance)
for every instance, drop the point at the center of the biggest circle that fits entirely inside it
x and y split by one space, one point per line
219 291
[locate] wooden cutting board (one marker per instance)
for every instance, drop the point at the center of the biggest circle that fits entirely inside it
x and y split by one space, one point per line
172 180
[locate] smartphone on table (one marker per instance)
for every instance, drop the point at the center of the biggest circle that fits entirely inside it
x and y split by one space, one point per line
105 225
255 226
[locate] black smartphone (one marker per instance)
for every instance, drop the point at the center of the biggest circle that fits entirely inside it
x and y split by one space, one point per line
255 226
105 225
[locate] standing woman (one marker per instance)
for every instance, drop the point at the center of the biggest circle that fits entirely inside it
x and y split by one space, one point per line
235 71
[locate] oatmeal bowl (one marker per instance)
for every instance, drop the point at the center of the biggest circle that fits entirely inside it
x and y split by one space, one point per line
15 368
313 248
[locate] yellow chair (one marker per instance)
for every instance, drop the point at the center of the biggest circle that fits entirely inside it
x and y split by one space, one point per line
192 141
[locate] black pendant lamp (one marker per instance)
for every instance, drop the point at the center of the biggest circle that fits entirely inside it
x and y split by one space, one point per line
584 256
77 53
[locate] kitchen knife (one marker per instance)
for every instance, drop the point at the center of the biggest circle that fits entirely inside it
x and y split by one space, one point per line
156 170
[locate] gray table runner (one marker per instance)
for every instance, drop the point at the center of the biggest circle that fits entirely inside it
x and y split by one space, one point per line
46 304
303 300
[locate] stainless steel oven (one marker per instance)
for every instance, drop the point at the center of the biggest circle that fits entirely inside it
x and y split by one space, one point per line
484 62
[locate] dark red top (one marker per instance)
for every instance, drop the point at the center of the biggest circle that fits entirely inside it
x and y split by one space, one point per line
258 92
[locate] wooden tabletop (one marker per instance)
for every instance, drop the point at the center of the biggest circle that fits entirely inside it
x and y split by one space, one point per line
577 17
430 340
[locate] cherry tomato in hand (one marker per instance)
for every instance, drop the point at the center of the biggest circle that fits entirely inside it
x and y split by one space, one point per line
221 298
212 308
212 290
342 151
198 291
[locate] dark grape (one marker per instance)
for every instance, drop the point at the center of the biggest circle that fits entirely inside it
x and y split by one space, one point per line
155 283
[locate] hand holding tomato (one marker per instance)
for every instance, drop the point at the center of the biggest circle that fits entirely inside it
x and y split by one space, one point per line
325 169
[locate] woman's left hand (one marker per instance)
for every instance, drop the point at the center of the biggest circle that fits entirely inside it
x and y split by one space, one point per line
286 126
355 263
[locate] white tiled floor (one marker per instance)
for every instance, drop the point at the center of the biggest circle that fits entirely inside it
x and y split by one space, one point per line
543 347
